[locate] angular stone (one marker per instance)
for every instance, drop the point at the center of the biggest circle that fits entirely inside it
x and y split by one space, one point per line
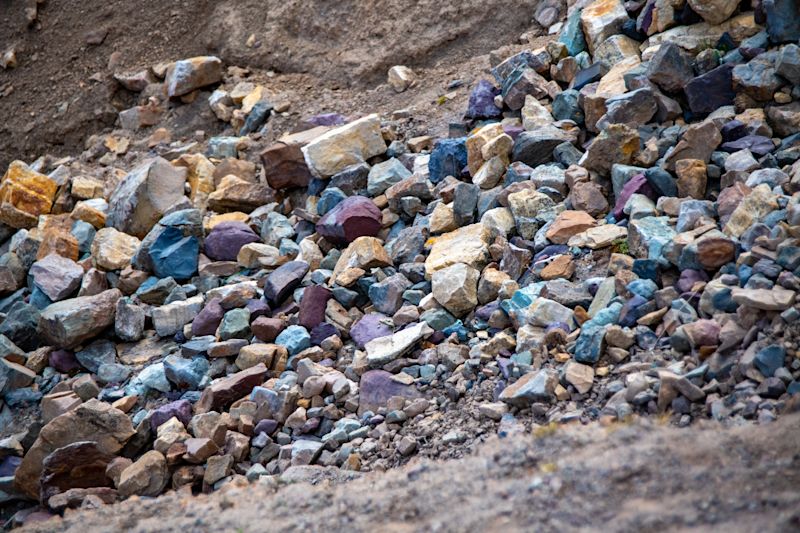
776 299
698 142
148 476
170 319
143 196
24 195
93 421
468 245
670 68
57 277
69 322
355 217
220 394
187 75
600 20
714 11
579 376
598 237
455 288
347 145
234 194
74 466
751 209
378 386
283 280
710 91
113 250
692 178
616 144
312 306
535 147
384 350
567 224
532 387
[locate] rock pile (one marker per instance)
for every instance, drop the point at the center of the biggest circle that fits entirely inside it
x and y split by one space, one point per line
616 231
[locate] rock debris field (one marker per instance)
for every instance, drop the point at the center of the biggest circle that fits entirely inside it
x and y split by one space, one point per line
608 237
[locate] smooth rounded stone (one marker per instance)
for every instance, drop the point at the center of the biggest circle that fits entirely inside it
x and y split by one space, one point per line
208 320
266 329
294 338
185 373
370 326
235 325
224 242
448 158
532 387
69 322
283 281
344 146
312 306
354 217
456 288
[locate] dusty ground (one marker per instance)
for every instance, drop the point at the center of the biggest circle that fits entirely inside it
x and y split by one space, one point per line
638 477
325 56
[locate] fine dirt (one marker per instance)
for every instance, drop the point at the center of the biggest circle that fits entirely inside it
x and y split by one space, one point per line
321 55
638 477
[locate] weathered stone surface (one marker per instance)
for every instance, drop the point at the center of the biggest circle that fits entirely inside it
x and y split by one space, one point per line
342 147
76 465
698 142
70 322
386 349
616 144
112 249
224 242
354 217
93 421
24 195
146 477
144 195
567 224
455 287
532 387
468 245
283 280
170 319
56 276
670 68
714 11
187 75
600 20
220 394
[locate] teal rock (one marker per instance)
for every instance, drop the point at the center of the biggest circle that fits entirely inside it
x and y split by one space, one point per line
185 373
235 324
643 287
589 346
648 236
151 378
438 319
768 360
566 107
295 339
533 387
329 199
572 34
20 325
384 175
84 233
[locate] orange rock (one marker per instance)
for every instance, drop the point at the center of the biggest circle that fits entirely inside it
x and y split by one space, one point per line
567 224
87 213
561 267
24 195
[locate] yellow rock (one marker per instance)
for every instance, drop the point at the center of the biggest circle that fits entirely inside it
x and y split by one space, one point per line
112 249
86 188
468 245
84 211
364 253
476 142
233 216
200 177
347 145
24 195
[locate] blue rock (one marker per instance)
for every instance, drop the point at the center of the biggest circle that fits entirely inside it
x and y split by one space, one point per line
438 319
572 34
661 181
589 346
788 256
770 359
84 233
622 174
481 101
448 158
151 378
783 20
458 328
39 299
174 255
646 269
256 118
643 287
387 295
97 353
384 175
565 107
654 233
693 210
235 324
329 199
294 338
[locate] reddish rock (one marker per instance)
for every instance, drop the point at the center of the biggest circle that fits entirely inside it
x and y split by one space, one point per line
267 329
354 217
221 394
284 166
312 306
207 321
227 238
77 465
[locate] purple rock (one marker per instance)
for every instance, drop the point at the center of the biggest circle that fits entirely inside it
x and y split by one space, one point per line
257 308
227 238
368 328
267 426
630 312
312 306
321 332
689 278
181 409
64 361
377 386
485 312
636 185
207 321
733 130
481 101
436 337
353 217
712 90
326 119
513 131
757 144
9 465
283 280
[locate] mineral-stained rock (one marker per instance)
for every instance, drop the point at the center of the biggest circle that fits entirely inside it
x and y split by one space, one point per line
76 465
93 421
468 245
70 322
220 394
354 217
567 224
377 386
670 68
601 19
236 194
532 387
144 195
347 145
714 11
188 75
24 195
616 144
170 319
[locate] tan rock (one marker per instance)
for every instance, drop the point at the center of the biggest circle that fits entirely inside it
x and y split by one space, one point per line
600 20
258 255
561 267
759 203
200 176
598 237
148 476
579 376
347 145
364 253
69 322
692 178
113 250
442 219
254 354
235 194
468 245
456 288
